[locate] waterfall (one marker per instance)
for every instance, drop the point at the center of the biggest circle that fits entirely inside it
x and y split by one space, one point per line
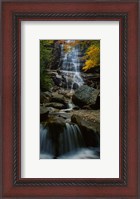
71 65
46 145
69 140
43 138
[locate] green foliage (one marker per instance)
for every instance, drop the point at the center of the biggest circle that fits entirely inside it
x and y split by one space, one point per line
46 56
46 53
46 82
90 49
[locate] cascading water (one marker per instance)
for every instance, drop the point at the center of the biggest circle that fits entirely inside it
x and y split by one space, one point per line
43 139
46 145
66 141
70 143
69 140
71 64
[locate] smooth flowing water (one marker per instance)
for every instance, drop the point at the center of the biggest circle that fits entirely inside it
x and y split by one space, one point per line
71 144
69 139
71 64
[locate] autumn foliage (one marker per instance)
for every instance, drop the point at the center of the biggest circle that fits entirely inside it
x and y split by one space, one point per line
92 56
91 50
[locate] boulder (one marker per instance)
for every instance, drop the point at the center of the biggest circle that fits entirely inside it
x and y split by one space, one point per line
58 98
64 115
86 95
44 98
46 109
75 86
44 112
55 121
48 94
89 123
55 127
57 81
55 105
87 118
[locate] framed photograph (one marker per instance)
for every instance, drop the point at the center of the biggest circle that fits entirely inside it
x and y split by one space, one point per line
70 99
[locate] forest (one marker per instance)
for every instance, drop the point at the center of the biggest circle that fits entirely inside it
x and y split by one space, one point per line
69 99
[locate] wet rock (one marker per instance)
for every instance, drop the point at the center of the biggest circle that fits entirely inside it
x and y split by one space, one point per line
76 108
44 116
75 86
55 88
97 105
58 98
48 94
55 105
44 98
92 79
87 107
64 115
86 95
68 94
89 123
59 72
55 121
88 119
46 109
57 81
44 112
56 126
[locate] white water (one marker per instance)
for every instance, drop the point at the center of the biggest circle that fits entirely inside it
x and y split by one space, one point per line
71 139
83 153
46 145
71 144
43 137
71 66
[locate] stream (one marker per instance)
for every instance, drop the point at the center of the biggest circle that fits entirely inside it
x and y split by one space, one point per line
66 140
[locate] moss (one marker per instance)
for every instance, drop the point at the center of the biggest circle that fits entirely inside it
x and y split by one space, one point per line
46 82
